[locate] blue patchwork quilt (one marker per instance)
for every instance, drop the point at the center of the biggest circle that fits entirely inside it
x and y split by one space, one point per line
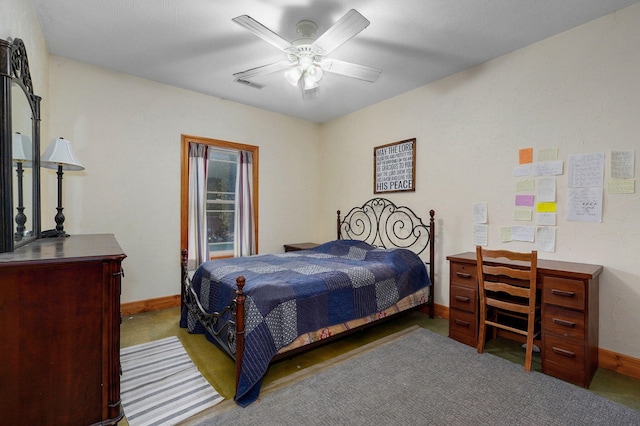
294 293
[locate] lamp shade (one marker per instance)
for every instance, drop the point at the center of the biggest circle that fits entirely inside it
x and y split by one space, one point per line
293 75
21 150
60 153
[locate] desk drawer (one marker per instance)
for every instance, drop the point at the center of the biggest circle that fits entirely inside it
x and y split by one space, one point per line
563 352
563 322
463 327
564 292
463 298
464 274
463 322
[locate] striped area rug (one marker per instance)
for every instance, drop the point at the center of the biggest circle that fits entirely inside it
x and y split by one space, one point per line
160 385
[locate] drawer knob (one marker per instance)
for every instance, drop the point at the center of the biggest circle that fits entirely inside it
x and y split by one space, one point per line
564 323
564 352
463 275
562 293
462 299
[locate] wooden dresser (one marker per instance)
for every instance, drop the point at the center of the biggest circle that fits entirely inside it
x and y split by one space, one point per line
60 332
569 297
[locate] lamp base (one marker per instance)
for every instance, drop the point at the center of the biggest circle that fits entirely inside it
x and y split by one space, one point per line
53 233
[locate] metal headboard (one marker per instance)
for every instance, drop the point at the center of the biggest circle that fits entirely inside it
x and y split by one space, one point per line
381 223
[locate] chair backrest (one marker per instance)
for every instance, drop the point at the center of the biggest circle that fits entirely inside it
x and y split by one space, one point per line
517 279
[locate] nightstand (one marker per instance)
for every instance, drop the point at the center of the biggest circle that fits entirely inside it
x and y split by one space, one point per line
299 246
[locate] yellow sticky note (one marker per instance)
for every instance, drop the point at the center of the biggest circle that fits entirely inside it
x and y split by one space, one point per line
505 234
622 186
546 207
522 214
547 154
525 185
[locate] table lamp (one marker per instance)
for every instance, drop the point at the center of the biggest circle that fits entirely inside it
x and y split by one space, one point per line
22 157
59 155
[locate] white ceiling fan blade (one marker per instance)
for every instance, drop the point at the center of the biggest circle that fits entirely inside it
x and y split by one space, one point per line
263 32
349 69
346 27
263 70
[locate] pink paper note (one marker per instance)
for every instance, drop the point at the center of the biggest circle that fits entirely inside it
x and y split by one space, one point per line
524 200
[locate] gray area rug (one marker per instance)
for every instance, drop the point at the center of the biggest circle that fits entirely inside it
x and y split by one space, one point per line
423 378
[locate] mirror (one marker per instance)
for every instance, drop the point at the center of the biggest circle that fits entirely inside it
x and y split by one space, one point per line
22 162
19 149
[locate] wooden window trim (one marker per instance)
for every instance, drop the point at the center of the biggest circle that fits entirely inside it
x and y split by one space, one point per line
184 180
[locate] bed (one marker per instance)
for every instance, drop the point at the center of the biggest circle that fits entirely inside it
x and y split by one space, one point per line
262 308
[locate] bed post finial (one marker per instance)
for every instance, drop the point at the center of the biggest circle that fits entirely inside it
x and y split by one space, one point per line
240 297
338 226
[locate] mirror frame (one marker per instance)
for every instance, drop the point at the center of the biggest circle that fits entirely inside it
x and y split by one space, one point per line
14 68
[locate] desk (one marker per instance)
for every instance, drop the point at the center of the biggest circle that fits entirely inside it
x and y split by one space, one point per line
569 326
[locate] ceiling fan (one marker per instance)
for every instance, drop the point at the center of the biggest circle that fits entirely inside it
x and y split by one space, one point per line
307 57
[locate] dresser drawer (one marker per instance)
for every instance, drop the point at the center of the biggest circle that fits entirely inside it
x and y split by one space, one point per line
464 274
564 292
463 298
563 352
563 322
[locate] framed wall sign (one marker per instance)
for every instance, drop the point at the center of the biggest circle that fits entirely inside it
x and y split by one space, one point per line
394 167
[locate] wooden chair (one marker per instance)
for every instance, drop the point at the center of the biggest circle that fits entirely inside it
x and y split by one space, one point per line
508 292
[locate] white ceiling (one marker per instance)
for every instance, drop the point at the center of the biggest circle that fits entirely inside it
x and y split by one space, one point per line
193 44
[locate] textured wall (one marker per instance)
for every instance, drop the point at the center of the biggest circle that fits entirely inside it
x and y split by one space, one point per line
126 132
578 91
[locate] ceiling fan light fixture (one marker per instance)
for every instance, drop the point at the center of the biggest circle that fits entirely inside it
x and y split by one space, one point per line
293 75
304 62
314 72
306 56
306 70
309 82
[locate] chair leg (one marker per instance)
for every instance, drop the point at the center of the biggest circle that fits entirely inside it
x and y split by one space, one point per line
483 330
530 335
529 353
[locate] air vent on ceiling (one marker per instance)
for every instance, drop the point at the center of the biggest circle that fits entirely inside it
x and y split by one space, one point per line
249 83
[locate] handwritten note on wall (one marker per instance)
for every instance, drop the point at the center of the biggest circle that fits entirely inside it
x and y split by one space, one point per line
586 170
586 182
622 173
536 187
480 227
622 164
584 204
585 193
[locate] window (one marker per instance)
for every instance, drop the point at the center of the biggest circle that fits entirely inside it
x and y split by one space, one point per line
221 198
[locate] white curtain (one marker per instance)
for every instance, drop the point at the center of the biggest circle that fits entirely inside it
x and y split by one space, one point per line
244 227
198 246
